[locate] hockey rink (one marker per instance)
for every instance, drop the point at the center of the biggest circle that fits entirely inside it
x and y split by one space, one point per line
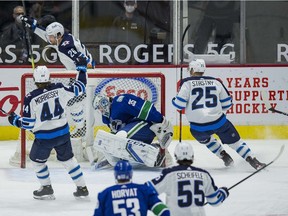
264 194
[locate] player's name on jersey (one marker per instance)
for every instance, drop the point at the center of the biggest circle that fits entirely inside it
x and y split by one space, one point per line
189 174
128 192
202 83
44 97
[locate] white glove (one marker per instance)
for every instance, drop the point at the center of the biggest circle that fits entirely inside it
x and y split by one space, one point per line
164 132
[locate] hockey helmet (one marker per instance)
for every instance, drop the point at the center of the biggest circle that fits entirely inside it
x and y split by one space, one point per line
55 28
184 151
102 103
198 65
41 74
123 170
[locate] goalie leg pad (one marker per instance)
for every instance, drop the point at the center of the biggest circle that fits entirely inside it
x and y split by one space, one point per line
128 149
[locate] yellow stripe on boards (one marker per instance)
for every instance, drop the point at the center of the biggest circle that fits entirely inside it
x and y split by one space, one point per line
246 132
9 133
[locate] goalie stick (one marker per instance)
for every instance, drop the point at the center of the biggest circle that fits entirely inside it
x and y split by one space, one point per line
257 171
265 99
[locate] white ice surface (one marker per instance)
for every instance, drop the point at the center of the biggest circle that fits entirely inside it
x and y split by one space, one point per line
264 194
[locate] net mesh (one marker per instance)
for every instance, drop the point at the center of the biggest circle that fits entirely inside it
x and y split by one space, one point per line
149 86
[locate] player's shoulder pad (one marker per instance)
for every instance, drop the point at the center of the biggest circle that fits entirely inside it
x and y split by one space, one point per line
67 41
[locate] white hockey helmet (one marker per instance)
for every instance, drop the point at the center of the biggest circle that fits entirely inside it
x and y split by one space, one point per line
41 74
198 65
184 151
55 29
102 103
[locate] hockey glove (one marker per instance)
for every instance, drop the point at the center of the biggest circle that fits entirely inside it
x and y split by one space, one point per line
224 192
13 119
81 63
164 132
29 22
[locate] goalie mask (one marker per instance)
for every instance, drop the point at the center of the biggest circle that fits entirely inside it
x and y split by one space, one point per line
184 151
41 74
123 170
102 103
197 65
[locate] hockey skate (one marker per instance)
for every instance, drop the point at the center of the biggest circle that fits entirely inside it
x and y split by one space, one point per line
255 163
81 193
228 161
44 193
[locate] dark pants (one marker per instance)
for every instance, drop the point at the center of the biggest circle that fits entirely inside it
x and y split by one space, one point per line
227 134
42 148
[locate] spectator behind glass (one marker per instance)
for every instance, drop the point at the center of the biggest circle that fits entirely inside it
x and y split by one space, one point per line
217 24
14 34
128 28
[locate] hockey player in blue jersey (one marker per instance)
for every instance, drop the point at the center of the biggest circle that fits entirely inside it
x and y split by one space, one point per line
206 100
187 187
131 117
68 49
127 198
44 115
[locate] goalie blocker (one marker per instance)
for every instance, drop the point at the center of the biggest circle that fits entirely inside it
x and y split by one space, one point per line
118 147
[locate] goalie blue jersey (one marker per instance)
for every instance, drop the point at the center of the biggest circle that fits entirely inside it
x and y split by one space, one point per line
126 108
129 199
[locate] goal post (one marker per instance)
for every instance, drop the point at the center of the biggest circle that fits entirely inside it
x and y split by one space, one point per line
148 85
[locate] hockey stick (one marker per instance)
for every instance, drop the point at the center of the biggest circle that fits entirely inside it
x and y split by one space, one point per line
3 111
27 37
268 105
181 77
276 158
244 179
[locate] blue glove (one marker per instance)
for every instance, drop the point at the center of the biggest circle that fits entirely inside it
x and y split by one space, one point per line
81 63
29 22
13 119
225 193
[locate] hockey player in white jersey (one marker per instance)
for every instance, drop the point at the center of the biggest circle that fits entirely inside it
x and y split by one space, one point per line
44 114
68 49
206 100
187 187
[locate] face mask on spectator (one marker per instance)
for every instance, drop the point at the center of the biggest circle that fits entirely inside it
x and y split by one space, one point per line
129 8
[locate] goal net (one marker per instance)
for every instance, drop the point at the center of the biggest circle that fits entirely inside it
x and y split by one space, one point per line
149 86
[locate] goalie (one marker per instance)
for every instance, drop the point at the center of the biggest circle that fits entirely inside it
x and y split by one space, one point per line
135 123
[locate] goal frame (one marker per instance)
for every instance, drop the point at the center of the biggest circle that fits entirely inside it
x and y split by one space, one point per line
96 74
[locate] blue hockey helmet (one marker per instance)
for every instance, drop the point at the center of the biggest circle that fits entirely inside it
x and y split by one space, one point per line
123 170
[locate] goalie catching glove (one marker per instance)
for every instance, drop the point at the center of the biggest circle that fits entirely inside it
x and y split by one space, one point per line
164 132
